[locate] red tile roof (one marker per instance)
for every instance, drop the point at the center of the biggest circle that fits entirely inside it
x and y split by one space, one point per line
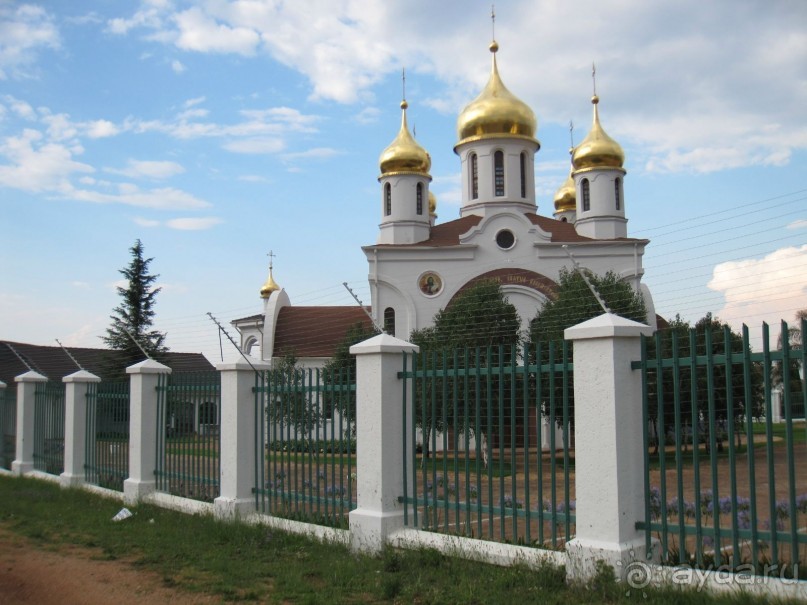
448 234
315 331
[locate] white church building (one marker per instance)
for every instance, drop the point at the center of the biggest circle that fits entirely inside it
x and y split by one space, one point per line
418 266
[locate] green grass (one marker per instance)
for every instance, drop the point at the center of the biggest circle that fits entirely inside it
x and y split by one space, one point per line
249 563
779 430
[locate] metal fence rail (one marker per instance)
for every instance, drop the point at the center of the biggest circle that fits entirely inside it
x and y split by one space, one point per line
494 460
305 444
188 414
107 435
725 486
49 427
8 426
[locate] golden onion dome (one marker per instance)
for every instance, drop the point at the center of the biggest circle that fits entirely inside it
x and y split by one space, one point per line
404 154
597 150
565 197
270 286
432 203
496 111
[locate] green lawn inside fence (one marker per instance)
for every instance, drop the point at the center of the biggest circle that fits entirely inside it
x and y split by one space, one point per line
236 562
780 430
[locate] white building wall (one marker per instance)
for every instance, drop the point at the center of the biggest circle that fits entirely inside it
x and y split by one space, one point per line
395 272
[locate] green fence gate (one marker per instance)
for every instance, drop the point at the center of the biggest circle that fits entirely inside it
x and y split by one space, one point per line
49 427
305 444
725 486
107 434
188 420
8 427
489 443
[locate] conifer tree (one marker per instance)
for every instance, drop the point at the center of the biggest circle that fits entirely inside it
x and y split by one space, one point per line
135 313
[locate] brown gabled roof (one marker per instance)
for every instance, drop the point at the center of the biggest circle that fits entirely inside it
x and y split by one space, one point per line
315 331
448 234
561 231
53 362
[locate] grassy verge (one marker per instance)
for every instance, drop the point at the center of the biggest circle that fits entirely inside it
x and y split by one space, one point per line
248 563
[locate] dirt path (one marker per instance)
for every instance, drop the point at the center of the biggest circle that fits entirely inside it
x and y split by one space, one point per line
70 576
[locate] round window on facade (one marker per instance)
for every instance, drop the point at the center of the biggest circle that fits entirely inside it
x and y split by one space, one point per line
505 239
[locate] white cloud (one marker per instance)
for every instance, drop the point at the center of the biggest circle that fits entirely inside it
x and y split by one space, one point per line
177 66
696 61
24 31
368 115
318 153
448 191
256 146
130 195
193 224
38 166
770 288
100 129
149 16
149 169
20 108
200 32
180 224
253 178
799 224
145 222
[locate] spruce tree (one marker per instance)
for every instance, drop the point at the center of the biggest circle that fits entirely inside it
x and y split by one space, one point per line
135 313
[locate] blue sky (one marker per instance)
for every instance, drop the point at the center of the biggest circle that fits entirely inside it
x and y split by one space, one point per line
218 130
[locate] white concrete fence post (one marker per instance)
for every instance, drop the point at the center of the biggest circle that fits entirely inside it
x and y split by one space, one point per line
144 377
379 441
75 426
26 397
237 434
609 478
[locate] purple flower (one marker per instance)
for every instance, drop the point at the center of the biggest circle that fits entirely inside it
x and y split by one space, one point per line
724 505
655 503
801 503
782 510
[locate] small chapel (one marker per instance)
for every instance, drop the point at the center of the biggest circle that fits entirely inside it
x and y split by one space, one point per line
417 266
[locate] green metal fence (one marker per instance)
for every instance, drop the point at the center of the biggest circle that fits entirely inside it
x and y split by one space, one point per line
488 443
107 437
306 447
188 415
8 426
725 485
49 427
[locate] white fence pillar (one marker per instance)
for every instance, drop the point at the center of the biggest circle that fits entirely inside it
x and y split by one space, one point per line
143 396
238 449
379 441
75 426
26 397
609 481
